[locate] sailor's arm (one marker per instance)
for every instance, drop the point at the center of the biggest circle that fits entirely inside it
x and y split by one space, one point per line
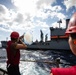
21 45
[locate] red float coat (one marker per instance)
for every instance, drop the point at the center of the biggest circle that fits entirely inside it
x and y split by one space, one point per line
12 59
64 71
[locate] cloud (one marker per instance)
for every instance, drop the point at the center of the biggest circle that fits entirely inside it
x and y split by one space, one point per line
13 20
4 13
56 8
69 4
25 6
3 9
42 3
34 8
32 15
19 18
57 15
23 17
42 24
27 11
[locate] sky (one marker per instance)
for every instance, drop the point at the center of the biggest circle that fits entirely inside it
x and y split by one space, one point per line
33 15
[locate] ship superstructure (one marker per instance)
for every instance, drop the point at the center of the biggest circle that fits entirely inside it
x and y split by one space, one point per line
58 40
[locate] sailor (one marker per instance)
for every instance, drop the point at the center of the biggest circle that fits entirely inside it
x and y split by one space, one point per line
71 33
13 53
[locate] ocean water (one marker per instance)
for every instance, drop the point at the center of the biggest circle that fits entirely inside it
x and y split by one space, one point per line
32 61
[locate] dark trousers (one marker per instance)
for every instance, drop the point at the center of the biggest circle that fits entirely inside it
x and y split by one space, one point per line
13 70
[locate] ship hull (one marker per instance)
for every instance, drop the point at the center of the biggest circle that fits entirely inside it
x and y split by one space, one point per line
51 45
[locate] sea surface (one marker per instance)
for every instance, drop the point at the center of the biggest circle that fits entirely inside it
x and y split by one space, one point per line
33 61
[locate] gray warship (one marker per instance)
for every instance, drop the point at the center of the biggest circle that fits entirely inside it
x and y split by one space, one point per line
58 40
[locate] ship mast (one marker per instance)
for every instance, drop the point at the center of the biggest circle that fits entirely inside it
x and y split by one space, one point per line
60 21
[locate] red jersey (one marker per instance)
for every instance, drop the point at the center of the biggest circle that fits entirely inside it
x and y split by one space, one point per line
13 59
64 71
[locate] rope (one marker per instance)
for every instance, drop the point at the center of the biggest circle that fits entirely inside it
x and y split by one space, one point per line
50 62
57 62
